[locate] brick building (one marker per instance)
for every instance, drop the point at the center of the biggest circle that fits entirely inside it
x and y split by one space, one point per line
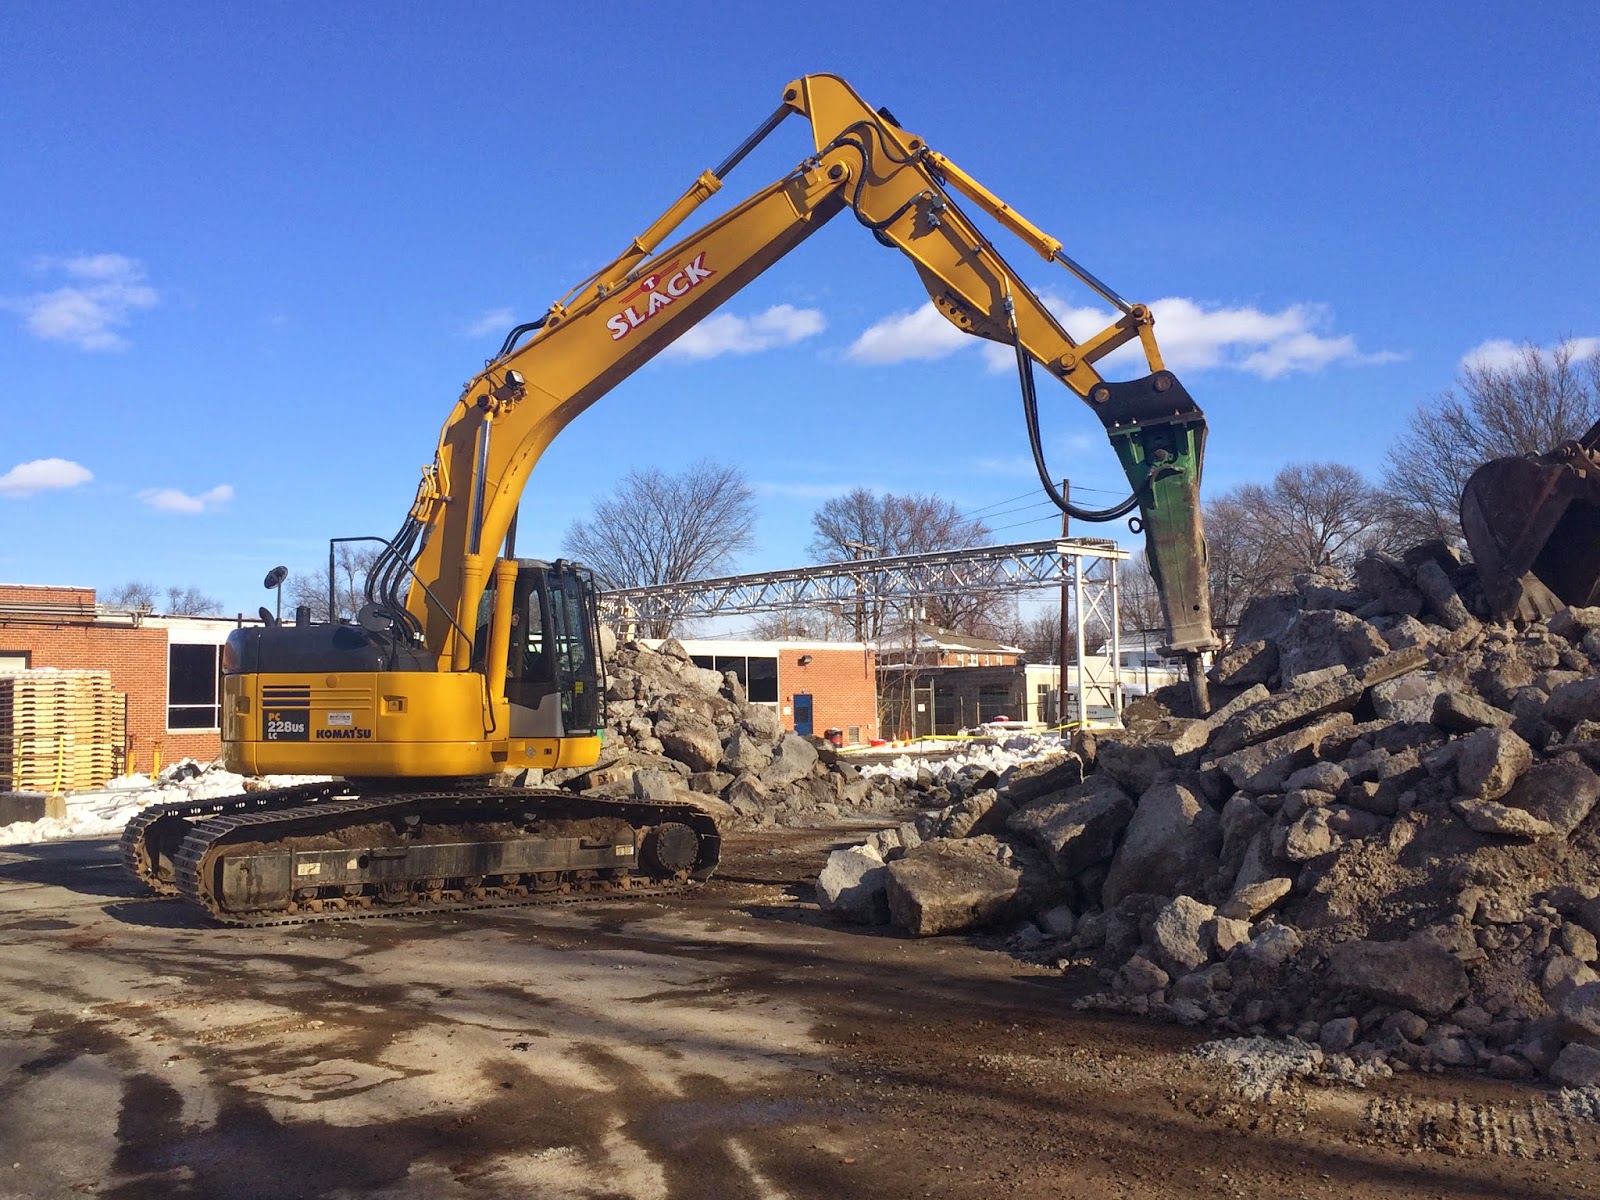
814 686
931 646
168 668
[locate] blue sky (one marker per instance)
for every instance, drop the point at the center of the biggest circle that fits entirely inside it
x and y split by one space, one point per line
250 256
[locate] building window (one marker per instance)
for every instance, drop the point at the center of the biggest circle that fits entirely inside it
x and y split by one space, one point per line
12 661
758 674
194 685
761 684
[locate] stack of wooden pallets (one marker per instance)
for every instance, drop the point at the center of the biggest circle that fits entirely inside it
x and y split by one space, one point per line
60 731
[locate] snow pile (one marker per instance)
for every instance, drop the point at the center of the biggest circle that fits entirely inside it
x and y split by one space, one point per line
103 812
1259 1066
999 758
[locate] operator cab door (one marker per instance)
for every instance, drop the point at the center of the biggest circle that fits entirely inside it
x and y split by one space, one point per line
553 666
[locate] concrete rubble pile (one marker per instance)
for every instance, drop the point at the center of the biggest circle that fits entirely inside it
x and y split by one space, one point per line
1381 841
679 732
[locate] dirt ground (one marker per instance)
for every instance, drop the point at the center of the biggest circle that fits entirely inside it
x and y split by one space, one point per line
728 1045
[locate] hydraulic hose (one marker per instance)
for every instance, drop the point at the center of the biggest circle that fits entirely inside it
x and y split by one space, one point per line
1030 414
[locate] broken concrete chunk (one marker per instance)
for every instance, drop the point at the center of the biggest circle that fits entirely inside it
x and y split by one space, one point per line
1563 975
1177 935
1576 1066
1139 977
975 812
1078 827
952 884
748 796
1135 766
1394 665
1574 702
1058 922
1416 974
1221 934
1574 624
1171 845
1265 618
1489 762
1059 775
1198 733
1489 816
1441 596
793 761
1281 713
1318 638
1265 766
1388 581
1408 698
1458 712
1579 1015
1562 791
1251 900
1271 947
853 886
1246 664
1309 836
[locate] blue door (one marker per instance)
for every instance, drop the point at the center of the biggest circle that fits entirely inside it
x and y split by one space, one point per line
802 714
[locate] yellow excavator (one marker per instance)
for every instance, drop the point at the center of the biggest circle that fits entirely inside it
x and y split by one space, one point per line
467 661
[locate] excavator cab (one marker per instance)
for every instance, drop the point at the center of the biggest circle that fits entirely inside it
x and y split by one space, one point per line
1533 526
552 662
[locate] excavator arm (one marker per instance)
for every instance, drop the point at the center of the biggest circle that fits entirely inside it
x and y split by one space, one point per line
551 370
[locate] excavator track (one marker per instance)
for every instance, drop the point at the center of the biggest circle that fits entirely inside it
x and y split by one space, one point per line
151 838
430 852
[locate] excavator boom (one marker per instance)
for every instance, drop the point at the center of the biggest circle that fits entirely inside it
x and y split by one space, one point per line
611 324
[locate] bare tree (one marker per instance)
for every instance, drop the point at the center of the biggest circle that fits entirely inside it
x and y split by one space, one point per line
1311 515
658 528
135 596
863 524
1138 601
190 602
138 596
1039 636
792 625
352 562
1529 405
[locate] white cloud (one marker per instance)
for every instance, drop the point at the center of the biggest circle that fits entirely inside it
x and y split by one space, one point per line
1191 337
172 500
105 290
42 475
781 325
921 335
496 320
1500 353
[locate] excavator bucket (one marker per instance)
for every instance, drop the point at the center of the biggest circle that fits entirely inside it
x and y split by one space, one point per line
1533 526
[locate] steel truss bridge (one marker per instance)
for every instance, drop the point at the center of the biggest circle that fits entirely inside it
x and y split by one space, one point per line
1085 568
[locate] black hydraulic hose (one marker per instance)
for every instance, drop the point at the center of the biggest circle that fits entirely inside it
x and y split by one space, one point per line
855 137
1030 414
511 338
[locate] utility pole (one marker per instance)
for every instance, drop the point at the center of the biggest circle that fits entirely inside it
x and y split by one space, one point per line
1061 687
858 551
